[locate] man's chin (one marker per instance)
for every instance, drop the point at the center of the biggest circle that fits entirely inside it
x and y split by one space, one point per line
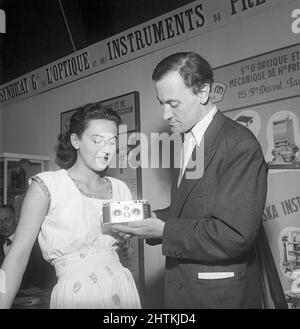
100 168
6 234
175 130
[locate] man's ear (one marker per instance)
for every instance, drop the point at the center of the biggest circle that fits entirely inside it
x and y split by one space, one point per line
204 94
74 141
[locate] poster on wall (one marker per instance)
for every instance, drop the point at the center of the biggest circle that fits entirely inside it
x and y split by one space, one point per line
127 106
262 93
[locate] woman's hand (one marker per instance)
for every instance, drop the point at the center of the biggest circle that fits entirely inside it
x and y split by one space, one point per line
125 249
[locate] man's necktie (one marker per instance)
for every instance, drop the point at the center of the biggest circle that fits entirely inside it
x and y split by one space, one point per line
4 240
188 138
8 242
2 255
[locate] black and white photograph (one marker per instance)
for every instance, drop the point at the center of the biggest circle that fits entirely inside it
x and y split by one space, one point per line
150 158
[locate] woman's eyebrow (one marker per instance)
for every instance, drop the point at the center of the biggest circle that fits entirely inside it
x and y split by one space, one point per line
103 136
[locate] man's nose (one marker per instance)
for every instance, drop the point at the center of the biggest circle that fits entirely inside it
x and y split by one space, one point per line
106 148
167 112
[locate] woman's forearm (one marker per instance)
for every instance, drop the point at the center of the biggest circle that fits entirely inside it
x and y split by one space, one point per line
14 268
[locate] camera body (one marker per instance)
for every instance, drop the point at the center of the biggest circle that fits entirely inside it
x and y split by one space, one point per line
123 212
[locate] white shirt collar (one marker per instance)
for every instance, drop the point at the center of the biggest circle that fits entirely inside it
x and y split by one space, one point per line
5 246
11 237
199 129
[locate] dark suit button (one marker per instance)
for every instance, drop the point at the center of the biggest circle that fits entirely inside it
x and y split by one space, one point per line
180 285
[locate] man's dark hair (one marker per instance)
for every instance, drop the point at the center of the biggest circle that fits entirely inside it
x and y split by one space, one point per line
194 69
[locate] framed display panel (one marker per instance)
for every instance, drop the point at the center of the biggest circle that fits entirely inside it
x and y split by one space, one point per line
128 108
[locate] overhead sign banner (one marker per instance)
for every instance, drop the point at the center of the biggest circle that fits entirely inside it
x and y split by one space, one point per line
181 24
275 75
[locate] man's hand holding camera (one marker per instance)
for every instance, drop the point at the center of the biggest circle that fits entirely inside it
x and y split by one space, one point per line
148 228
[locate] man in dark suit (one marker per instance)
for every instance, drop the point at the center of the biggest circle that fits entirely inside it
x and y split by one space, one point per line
217 199
7 229
38 272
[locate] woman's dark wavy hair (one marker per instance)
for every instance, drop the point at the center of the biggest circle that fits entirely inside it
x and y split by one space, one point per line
194 69
66 155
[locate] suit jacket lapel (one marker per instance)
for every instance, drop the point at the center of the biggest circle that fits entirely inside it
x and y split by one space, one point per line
180 195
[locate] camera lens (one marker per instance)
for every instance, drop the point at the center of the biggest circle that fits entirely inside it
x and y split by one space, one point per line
136 211
117 212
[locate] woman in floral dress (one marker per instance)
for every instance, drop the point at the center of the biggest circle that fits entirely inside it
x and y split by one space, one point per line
64 208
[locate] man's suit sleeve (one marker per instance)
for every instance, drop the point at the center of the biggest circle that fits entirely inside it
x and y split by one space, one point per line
236 212
162 214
